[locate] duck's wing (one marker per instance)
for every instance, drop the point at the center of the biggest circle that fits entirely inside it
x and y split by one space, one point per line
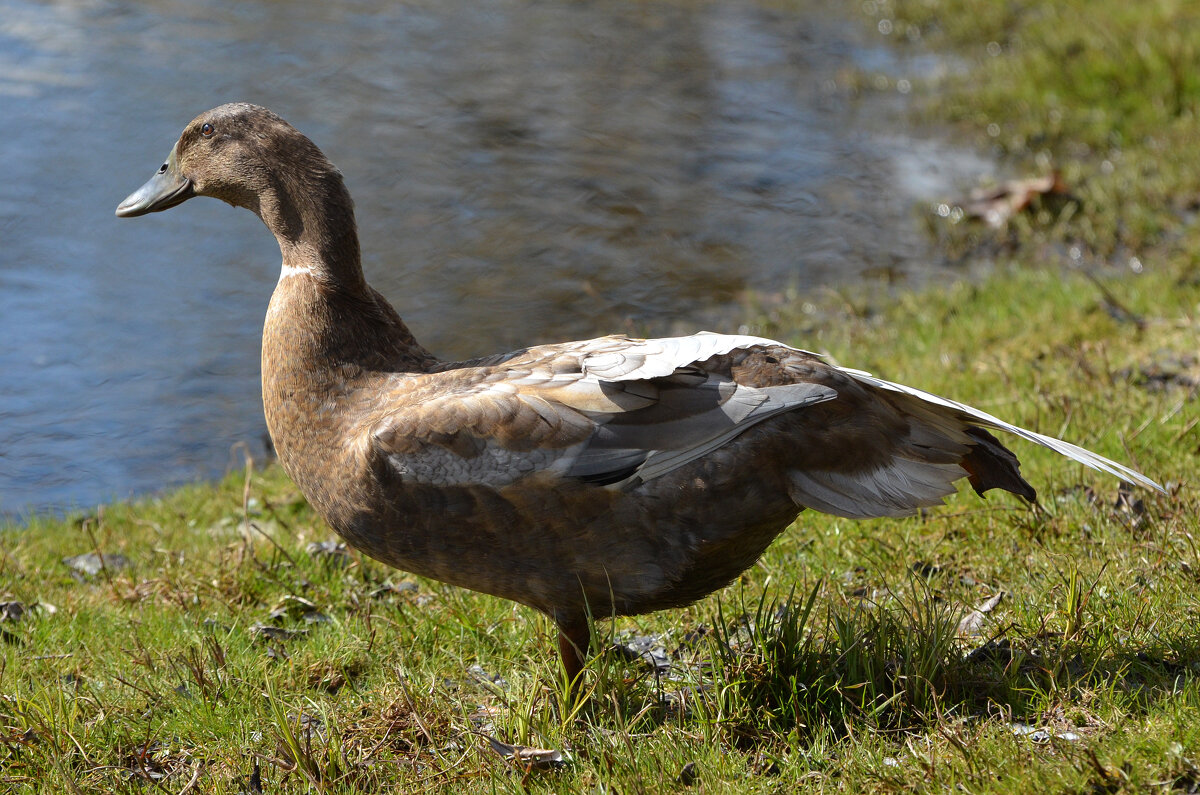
611 411
620 412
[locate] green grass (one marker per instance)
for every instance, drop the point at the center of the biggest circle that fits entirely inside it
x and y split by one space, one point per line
228 657
834 663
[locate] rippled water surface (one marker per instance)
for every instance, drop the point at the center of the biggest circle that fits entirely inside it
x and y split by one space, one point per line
523 171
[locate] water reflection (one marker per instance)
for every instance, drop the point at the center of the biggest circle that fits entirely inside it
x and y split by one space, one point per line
524 172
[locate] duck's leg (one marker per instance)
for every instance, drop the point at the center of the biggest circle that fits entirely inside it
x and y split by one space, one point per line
574 639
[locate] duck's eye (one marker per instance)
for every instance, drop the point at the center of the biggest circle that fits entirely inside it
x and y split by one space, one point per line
207 130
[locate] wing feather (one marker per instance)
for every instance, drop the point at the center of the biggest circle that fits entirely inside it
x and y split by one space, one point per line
621 412
611 410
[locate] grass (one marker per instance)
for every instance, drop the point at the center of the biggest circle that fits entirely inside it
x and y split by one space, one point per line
1107 94
834 663
228 645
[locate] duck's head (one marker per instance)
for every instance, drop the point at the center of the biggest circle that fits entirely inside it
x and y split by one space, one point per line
239 153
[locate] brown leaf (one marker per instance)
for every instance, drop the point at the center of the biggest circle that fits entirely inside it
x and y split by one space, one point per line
996 205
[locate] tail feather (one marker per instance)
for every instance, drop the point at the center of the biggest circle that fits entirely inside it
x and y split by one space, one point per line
974 416
945 441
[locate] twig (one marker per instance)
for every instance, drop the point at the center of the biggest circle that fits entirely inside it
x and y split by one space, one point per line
274 543
195 778
1124 311
87 526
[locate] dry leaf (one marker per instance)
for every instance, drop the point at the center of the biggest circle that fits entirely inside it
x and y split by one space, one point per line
996 205
540 758
972 621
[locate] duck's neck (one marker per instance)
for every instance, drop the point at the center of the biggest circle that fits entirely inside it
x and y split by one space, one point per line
312 217
323 314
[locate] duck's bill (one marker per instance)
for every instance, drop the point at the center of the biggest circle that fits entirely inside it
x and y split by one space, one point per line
163 191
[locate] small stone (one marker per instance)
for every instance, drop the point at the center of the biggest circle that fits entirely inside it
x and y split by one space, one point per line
92 563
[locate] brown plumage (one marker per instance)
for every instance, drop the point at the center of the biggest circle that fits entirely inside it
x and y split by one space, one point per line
609 476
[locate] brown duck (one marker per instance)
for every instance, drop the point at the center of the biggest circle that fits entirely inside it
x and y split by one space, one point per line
611 476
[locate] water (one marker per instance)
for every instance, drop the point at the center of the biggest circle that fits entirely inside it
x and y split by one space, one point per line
524 172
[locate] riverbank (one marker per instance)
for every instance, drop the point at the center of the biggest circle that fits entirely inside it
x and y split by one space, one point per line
227 644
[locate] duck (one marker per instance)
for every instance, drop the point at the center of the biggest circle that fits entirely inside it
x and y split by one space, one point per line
589 479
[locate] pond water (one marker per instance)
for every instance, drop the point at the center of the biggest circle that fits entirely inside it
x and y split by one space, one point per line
524 171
